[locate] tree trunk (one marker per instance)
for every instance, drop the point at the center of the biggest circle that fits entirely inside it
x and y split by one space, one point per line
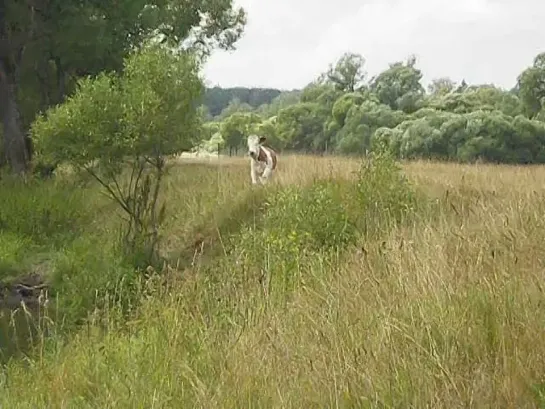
15 144
44 88
61 81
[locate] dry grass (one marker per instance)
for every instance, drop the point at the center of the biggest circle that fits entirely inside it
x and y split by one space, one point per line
443 312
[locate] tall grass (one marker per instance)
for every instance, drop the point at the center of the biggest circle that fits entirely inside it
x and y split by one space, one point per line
339 286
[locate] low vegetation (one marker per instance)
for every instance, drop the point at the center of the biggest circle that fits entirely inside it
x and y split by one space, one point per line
344 284
131 276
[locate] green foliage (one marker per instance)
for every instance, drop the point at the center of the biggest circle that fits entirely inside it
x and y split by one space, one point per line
323 94
237 127
222 336
302 126
42 212
298 224
451 122
441 86
83 128
40 222
361 122
86 273
13 251
235 106
348 73
420 138
134 121
268 129
399 86
285 99
343 104
386 139
48 48
384 195
148 110
325 218
311 217
485 97
491 136
217 99
211 145
531 84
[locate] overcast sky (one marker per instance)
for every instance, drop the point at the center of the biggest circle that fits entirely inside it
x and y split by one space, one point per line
288 43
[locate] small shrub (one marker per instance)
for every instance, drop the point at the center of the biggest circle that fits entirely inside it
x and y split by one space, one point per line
384 194
314 216
299 224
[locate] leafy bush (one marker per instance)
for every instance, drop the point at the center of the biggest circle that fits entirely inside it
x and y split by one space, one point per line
311 217
119 129
300 223
384 194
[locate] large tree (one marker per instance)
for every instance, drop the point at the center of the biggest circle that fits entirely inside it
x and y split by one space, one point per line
348 74
47 44
399 86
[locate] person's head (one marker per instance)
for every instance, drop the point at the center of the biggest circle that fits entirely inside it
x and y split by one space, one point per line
254 144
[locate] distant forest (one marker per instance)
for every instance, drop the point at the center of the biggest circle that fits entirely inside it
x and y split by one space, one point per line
217 99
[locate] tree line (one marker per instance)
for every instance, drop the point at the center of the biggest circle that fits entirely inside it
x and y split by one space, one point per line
344 112
48 47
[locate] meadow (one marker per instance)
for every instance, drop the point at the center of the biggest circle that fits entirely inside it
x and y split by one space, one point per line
343 284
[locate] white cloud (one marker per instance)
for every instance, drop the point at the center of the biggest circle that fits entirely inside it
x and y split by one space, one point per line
288 43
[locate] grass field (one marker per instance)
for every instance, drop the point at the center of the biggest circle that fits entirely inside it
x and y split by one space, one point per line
335 287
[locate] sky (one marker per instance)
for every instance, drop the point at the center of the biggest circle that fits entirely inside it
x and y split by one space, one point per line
288 43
